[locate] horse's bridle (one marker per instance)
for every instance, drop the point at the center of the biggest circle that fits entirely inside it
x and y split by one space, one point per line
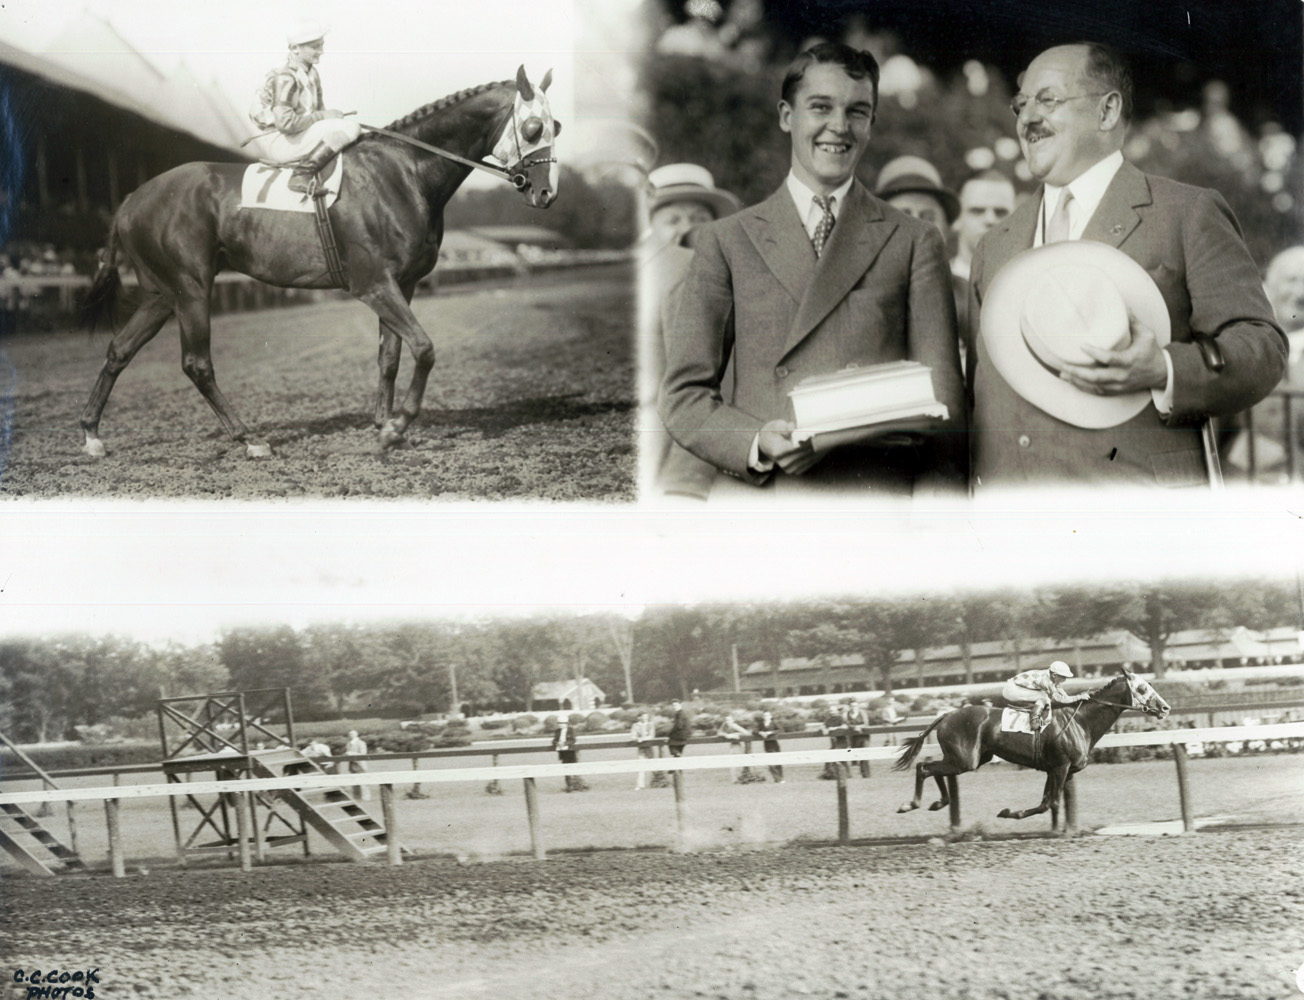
515 173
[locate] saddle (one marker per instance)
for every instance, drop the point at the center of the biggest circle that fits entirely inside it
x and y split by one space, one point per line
267 185
1019 720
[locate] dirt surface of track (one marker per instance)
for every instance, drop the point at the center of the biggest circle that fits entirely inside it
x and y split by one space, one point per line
532 396
1207 915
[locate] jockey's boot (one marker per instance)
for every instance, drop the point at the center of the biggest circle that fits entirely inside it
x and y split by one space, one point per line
306 169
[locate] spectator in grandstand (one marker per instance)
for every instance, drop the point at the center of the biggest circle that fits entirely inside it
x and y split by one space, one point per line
564 740
818 277
767 730
357 746
289 105
319 751
737 736
643 732
836 729
912 185
683 197
681 729
1132 415
858 733
1283 283
985 200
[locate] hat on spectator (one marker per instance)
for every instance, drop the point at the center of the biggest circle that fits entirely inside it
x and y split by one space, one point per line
689 182
915 174
1046 303
303 32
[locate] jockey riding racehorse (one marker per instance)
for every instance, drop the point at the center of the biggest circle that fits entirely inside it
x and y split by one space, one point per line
181 228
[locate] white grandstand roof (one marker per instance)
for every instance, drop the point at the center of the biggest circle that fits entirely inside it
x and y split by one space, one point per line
90 55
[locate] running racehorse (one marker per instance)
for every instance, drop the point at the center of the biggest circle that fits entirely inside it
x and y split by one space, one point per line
181 228
970 736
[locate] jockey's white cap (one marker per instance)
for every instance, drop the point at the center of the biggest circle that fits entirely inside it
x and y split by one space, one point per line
302 32
1061 668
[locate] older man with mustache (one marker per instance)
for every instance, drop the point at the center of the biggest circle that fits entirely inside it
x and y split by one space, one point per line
1073 108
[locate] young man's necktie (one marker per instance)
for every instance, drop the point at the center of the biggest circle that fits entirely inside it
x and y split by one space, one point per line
821 234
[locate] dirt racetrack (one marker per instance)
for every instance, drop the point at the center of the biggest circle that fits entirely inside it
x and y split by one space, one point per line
1214 915
532 396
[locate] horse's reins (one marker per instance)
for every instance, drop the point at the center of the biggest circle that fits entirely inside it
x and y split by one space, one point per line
516 176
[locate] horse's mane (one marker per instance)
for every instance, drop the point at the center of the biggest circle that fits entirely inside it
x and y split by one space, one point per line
426 110
1116 679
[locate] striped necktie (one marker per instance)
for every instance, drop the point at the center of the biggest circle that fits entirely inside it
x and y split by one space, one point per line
821 234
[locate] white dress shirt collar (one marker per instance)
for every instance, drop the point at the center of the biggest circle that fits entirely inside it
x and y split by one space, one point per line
1088 189
804 198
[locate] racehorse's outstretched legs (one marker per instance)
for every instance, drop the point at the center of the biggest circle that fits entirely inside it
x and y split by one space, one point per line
145 322
388 302
197 363
1055 779
939 771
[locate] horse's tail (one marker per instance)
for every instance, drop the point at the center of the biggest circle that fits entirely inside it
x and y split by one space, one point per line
101 300
911 747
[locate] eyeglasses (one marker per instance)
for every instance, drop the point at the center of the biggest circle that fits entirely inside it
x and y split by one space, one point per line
1045 104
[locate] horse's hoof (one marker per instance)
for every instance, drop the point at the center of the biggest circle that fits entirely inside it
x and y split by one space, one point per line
908 807
938 805
94 447
258 449
390 435
1005 814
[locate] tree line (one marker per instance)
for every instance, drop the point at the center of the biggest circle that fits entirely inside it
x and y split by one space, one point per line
50 685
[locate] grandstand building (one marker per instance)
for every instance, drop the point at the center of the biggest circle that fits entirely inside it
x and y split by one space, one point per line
991 662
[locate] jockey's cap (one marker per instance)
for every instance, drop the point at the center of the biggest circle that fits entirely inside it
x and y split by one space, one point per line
304 32
1061 668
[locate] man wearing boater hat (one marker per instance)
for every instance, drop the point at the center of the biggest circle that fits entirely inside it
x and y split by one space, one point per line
819 277
304 130
1090 365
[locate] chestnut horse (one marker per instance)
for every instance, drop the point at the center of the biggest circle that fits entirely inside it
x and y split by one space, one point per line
971 735
181 228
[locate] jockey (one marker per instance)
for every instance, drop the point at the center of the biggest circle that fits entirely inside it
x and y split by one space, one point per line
1040 691
305 132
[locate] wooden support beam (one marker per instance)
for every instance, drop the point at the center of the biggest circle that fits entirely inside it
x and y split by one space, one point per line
1183 787
532 812
844 816
242 830
393 851
116 860
681 821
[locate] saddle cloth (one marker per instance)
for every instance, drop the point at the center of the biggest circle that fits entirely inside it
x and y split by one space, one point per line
1014 720
267 186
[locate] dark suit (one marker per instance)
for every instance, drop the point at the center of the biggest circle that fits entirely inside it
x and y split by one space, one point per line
757 295
1189 242
564 740
769 740
681 730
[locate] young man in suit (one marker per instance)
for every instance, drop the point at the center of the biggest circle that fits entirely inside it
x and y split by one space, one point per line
1073 108
819 277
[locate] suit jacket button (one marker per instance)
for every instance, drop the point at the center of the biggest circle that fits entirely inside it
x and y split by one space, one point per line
1025 441
781 371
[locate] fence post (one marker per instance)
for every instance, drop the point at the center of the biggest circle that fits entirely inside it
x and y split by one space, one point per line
1070 806
953 793
844 818
681 838
72 827
242 830
393 851
532 813
116 861
1183 787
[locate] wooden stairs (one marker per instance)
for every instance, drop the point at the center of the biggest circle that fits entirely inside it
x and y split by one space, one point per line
33 846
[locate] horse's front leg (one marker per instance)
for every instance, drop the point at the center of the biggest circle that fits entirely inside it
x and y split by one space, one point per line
391 346
387 361
1054 783
388 301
